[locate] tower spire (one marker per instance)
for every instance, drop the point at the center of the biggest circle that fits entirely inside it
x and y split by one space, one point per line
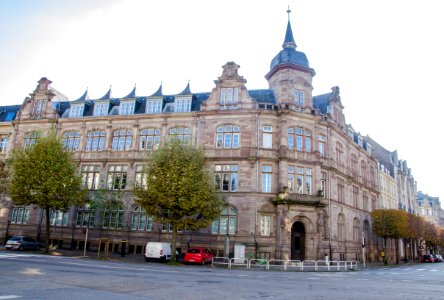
289 40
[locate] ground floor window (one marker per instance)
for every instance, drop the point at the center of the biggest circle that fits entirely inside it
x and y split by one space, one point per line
20 215
226 223
140 220
59 218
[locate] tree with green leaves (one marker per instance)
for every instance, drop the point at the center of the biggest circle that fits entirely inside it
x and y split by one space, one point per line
390 223
44 175
178 189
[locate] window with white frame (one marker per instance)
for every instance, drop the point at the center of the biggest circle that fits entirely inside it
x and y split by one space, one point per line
86 217
71 140
226 177
229 97
154 106
141 179
31 139
20 215
324 184
299 139
3 143
149 139
101 109
90 176
183 134
117 175
301 182
76 111
299 99
267 137
266 178
182 104
321 145
122 139
59 218
140 220
265 225
95 140
226 223
127 107
227 136
39 107
113 218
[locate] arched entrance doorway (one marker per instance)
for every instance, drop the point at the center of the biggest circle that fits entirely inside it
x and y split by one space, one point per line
298 241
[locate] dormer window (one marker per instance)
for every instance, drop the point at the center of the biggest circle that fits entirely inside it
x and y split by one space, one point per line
182 105
360 141
101 109
127 107
38 107
76 111
154 106
229 97
299 100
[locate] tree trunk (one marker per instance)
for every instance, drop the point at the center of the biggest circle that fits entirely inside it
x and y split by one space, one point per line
173 244
385 251
48 227
397 250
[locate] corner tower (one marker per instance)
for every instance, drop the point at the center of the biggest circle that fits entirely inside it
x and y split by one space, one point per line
290 75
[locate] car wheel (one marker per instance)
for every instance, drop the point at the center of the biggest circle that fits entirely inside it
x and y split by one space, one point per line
147 259
37 248
203 262
20 248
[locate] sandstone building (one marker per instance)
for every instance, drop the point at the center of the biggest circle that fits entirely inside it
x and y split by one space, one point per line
298 181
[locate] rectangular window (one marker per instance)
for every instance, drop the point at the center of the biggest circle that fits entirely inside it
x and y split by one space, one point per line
267 137
153 106
229 97
76 111
59 218
20 215
3 143
140 177
117 177
290 177
265 225
101 109
324 184
364 201
355 196
266 179
90 176
85 217
127 107
182 105
341 195
226 177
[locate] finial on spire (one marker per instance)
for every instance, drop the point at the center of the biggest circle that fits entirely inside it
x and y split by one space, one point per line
288 12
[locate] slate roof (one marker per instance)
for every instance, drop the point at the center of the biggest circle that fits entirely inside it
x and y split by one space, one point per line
8 113
263 96
321 102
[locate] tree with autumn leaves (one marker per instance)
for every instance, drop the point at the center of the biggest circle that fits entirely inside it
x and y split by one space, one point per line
398 224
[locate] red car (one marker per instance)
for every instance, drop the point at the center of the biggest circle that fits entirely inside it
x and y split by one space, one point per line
427 258
198 255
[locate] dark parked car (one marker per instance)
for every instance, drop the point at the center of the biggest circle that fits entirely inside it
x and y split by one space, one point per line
427 258
198 255
23 243
438 258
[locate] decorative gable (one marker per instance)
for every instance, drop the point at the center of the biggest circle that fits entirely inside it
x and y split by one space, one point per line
230 91
38 106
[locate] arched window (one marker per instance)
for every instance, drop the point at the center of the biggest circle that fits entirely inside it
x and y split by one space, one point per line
299 139
31 139
140 220
122 140
183 134
228 136
95 141
341 227
113 218
71 140
356 230
149 139
226 223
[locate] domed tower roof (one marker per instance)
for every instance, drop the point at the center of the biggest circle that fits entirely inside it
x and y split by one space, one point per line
289 56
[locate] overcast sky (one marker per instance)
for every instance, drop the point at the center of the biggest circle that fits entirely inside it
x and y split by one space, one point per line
387 57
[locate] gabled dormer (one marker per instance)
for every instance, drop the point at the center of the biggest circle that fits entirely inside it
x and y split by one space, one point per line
102 106
128 103
77 107
230 91
154 103
38 105
183 100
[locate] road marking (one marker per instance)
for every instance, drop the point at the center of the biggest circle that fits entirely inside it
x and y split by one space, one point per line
434 270
10 297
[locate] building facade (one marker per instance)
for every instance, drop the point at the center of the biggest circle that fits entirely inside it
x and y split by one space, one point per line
298 182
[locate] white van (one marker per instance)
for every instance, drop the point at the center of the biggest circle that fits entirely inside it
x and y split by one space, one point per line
158 251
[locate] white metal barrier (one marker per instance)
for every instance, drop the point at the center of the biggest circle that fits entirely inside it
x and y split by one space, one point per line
295 265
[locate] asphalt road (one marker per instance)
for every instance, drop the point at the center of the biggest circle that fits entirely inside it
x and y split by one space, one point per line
36 276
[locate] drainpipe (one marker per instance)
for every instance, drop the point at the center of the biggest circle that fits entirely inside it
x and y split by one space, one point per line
329 193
